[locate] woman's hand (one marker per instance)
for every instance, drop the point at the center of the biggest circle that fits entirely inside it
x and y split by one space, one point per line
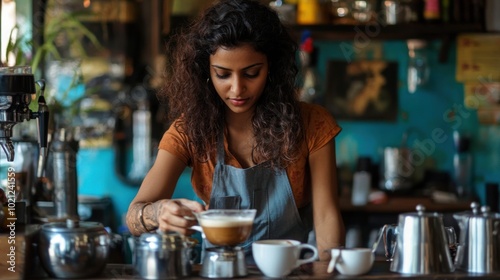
177 214
152 208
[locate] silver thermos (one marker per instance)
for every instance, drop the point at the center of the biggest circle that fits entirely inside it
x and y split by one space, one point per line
64 149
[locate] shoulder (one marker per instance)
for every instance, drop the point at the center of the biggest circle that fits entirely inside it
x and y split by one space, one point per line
314 114
319 125
311 108
176 130
176 142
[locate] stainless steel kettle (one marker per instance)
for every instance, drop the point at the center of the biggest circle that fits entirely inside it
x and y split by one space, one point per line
422 245
73 249
479 241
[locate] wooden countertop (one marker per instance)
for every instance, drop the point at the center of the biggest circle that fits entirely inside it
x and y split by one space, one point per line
316 270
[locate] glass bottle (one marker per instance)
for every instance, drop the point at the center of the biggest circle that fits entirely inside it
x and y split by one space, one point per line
432 11
418 68
361 182
310 89
462 165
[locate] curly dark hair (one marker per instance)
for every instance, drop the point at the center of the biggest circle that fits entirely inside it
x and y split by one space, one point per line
277 122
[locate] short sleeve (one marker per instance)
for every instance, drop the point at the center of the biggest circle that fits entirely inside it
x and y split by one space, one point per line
320 126
176 143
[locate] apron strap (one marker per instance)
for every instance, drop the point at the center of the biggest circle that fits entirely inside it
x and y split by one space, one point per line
220 148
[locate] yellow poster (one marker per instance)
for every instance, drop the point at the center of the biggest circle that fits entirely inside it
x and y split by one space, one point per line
484 96
478 67
489 116
478 57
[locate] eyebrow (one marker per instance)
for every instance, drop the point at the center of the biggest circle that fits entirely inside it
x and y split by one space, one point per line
248 67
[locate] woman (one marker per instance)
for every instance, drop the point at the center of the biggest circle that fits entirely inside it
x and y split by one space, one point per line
238 124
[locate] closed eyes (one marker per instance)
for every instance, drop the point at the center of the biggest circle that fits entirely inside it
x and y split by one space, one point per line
247 75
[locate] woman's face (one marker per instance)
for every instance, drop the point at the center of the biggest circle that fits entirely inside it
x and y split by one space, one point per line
239 76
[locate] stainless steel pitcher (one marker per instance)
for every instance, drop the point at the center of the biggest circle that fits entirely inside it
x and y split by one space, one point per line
479 241
422 244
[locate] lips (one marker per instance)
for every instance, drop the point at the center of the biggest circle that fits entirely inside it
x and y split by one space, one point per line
238 101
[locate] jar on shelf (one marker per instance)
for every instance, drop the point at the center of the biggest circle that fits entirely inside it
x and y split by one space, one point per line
418 68
340 12
363 11
310 12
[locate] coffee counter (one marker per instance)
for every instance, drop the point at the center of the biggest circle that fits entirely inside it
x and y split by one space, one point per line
316 270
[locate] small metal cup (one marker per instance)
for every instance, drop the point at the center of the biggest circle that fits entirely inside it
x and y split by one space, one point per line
220 262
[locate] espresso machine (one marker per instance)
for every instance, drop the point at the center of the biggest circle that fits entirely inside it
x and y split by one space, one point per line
17 85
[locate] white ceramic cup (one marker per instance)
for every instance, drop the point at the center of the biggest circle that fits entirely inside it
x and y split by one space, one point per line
353 261
278 257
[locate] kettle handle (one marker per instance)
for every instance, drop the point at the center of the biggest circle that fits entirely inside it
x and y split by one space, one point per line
379 237
388 233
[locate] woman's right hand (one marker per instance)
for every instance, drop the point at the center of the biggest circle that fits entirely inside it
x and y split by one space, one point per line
177 215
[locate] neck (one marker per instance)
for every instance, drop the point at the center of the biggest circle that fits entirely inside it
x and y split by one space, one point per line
240 120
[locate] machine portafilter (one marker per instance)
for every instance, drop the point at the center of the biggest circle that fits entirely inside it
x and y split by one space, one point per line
17 84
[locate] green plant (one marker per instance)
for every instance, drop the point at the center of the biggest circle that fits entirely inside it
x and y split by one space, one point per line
66 25
64 35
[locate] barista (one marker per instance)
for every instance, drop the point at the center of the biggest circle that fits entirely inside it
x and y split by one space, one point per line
238 123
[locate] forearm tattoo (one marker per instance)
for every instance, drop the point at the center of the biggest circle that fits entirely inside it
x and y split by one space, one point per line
147 223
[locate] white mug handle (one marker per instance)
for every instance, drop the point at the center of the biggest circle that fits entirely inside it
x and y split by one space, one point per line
310 259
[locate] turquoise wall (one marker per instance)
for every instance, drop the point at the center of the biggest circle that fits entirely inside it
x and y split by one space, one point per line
424 112
97 177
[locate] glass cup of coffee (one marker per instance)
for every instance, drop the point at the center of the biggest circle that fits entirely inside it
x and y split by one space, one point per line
226 227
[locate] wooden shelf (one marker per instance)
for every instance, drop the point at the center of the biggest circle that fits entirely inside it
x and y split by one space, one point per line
446 32
377 31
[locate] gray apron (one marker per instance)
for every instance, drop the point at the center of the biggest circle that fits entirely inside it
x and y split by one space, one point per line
266 191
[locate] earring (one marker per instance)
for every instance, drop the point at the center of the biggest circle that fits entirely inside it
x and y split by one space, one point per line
208 80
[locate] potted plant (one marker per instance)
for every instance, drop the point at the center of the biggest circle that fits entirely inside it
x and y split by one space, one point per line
57 59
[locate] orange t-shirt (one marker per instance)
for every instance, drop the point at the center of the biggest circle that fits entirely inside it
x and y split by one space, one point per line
320 128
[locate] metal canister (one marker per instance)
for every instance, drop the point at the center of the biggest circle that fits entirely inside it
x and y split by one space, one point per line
64 149
163 256
398 169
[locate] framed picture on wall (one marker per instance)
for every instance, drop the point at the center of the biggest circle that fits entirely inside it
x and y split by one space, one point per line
362 90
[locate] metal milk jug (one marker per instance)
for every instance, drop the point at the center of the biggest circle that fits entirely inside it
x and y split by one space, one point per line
422 245
479 241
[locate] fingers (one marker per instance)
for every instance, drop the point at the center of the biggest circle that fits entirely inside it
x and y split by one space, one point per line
177 215
195 206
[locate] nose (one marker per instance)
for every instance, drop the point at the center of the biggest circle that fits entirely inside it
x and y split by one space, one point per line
238 84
